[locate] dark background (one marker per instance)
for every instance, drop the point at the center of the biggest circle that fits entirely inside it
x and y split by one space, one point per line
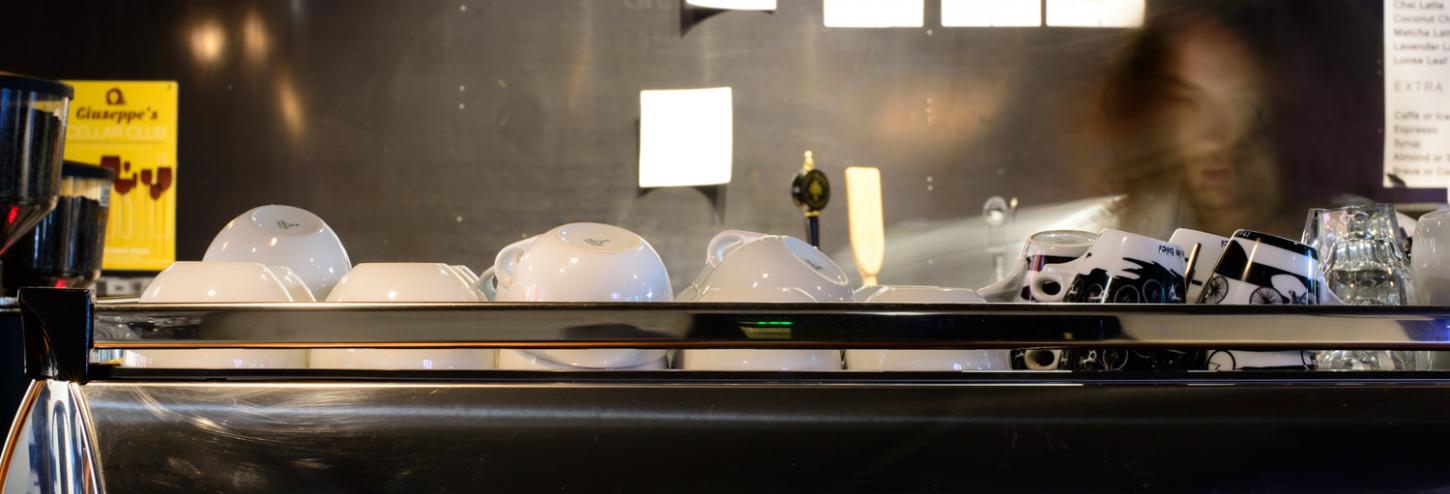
442 131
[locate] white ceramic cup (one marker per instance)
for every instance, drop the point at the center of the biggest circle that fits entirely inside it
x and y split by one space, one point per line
1120 267
926 360
529 360
1430 259
1257 268
473 281
739 261
1042 249
286 236
295 286
1210 248
216 282
582 262
399 282
759 360
753 267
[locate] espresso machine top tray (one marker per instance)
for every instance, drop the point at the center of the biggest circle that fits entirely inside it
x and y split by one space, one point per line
90 427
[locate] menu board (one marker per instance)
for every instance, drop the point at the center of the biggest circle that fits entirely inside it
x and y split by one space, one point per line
1417 106
130 127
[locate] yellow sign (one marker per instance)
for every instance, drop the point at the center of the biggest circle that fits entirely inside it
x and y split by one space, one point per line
130 127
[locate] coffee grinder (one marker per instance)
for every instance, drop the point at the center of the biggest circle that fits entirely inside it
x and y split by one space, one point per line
33 117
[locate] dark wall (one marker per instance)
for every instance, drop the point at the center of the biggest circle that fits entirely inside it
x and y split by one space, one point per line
441 131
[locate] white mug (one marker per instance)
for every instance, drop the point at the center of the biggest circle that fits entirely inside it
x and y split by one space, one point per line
399 282
759 360
1120 267
926 360
1257 268
738 261
531 360
754 267
473 281
216 282
582 262
1209 249
279 235
1042 249
715 252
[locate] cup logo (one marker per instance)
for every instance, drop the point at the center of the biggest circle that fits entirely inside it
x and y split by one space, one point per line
286 225
1149 283
814 266
594 242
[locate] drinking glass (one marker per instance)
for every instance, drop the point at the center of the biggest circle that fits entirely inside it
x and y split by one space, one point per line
1363 255
1362 250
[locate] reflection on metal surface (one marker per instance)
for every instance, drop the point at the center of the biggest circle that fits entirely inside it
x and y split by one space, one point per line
712 325
763 437
49 449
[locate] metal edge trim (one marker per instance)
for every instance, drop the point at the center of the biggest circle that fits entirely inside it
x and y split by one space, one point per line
94 478
21 415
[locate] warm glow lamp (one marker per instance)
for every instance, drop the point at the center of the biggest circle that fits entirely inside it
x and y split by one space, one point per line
868 231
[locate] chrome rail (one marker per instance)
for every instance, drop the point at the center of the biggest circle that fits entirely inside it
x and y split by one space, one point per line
681 325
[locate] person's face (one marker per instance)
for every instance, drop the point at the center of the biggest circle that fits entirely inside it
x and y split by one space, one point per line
1217 122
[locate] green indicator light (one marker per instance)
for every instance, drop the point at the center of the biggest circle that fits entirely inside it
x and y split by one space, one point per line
769 323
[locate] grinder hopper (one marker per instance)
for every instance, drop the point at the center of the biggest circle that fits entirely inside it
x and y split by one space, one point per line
33 116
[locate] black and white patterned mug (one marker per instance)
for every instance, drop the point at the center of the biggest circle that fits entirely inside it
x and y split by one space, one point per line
1120 267
1258 268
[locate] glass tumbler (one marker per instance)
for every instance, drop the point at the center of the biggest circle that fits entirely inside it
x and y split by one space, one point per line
1364 263
1363 253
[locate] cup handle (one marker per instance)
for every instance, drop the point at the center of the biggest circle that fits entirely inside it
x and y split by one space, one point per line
485 283
503 264
725 242
1007 289
1051 273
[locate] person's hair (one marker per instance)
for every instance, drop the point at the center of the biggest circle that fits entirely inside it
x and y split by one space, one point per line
1142 161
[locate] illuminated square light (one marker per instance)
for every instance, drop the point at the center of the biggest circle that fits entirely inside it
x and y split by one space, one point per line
991 13
874 13
734 4
686 137
1095 13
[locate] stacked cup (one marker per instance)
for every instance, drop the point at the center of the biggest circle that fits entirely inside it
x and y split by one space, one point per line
395 283
213 282
580 262
753 267
925 360
1251 268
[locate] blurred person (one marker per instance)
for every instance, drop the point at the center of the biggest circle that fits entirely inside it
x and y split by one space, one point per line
1188 116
